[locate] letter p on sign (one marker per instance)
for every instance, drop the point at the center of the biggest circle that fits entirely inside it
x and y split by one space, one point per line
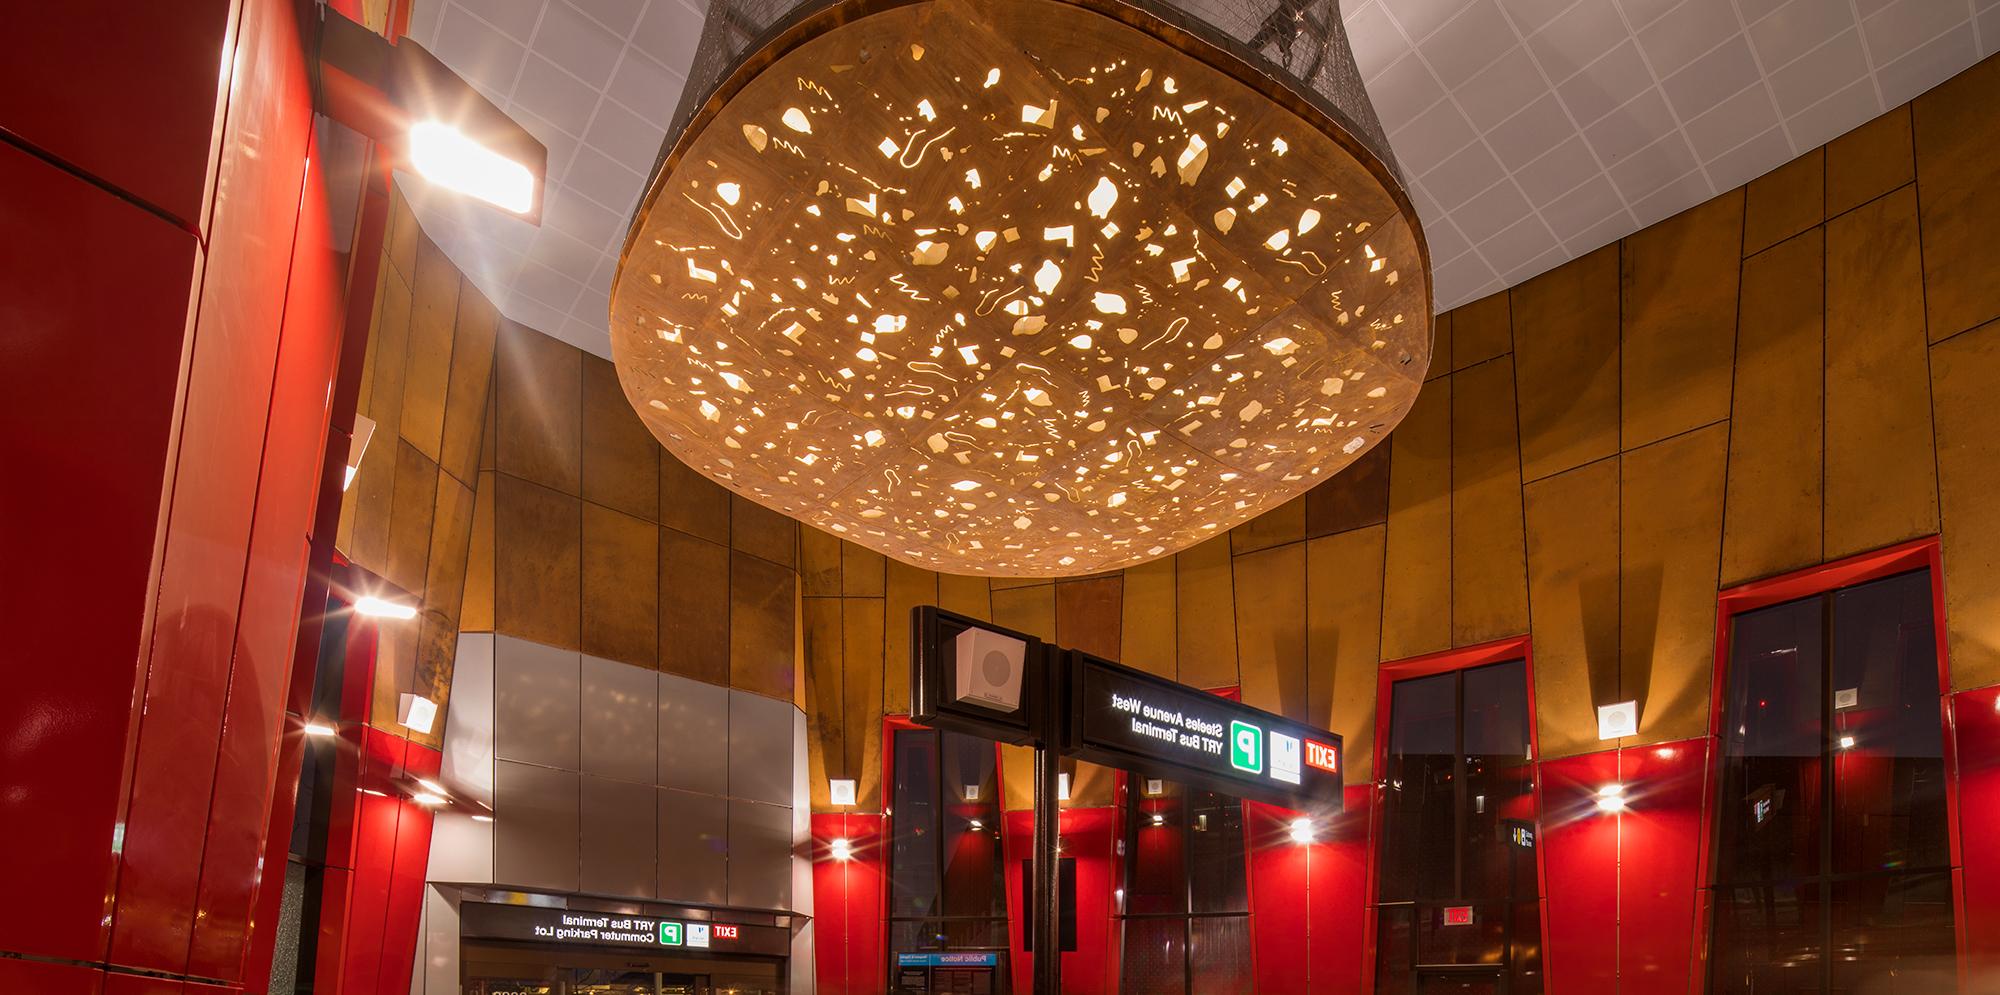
1246 747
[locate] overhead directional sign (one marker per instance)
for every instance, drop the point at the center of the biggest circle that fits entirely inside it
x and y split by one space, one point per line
1128 718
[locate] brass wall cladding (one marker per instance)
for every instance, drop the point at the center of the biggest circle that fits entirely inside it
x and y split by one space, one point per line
1017 288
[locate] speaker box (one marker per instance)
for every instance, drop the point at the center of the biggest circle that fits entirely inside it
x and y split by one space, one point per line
989 669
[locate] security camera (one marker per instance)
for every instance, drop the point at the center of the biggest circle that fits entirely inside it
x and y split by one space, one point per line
989 668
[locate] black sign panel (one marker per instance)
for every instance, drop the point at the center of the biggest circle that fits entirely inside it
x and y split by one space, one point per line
1128 718
977 678
588 928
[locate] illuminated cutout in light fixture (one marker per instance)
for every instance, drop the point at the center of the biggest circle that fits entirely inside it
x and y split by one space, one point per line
375 607
357 445
1117 356
1621 719
840 790
445 156
1302 831
1611 798
1847 742
416 713
321 729
975 825
841 849
1159 820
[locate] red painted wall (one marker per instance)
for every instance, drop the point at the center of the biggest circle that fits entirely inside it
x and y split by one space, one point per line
171 301
848 953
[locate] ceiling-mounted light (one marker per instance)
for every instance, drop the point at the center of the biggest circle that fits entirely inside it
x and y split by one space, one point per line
443 155
1036 291
375 607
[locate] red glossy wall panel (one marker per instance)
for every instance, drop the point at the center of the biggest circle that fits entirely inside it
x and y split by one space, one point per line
49 979
848 955
1976 717
120 90
1337 913
1280 906
1088 836
238 315
1658 872
1580 868
83 506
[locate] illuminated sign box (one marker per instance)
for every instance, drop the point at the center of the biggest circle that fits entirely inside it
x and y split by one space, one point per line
587 928
1128 718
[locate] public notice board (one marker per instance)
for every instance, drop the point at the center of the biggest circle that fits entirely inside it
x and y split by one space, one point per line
1128 718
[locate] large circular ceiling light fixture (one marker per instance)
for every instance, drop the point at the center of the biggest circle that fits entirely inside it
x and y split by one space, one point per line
1022 287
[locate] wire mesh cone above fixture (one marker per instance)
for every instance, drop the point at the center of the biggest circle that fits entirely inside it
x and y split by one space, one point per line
1022 287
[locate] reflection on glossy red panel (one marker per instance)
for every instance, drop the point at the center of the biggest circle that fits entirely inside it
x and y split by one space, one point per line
122 91
848 957
49 979
81 563
1658 875
402 914
136 984
1580 867
1279 876
1977 717
258 955
1088 837
259 177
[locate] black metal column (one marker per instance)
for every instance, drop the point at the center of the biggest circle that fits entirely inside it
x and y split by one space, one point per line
1046 923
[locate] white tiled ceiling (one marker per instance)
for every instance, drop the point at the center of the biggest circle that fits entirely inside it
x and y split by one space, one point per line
1531 131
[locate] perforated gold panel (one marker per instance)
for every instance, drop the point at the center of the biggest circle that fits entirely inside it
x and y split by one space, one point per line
1018 289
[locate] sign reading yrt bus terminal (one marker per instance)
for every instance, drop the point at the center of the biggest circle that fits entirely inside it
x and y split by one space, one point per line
1111 714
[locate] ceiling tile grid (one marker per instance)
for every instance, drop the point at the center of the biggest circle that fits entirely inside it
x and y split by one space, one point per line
1530 131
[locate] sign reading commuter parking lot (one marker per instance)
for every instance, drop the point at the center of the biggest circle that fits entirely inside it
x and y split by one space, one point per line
1131 719
581 927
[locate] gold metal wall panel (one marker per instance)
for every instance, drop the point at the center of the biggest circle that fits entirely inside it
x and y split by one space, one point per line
1440 347
692 503
759 531
819 563
467 396
1784 201
1416 569
445 565
1088 614
1271 629
1881 475
1355 498
539 418
430 674
475 613
1965 371
1146 640
1679 289
621 462
1775 440
433 317
861 692
1573 589
621 593
1670 534
1481 330
410 513
1343 640
1283 524
1958 171
537 562
1205 596
761 616
1566 364
826 722
1489 573
403 233
967 596
1027 609
861 571
908 587
694 614
374 483
1869 161
395 673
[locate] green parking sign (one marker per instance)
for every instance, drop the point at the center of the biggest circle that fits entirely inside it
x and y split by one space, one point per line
670 934
1246 747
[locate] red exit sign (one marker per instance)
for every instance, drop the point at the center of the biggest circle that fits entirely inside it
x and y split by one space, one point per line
723 932
1458 915
1322 756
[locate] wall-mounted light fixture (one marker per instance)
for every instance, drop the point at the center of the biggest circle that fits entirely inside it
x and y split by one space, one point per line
321 729
375 607
841 849
1611 798
1621 719
428 117
1302 831
1062 787
840 790
416 713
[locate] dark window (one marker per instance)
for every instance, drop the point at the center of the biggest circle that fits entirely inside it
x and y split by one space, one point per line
947 886
1832 869
1187 899
1458 894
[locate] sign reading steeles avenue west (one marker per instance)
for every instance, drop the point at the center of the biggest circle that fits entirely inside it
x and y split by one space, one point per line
1131 719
